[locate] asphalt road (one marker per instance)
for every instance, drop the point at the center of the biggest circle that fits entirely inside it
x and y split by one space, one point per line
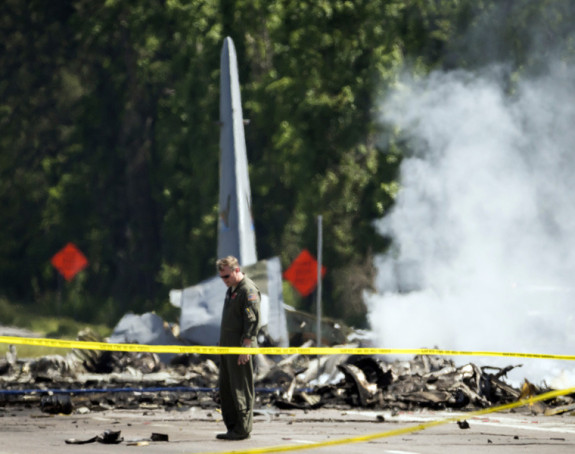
28 430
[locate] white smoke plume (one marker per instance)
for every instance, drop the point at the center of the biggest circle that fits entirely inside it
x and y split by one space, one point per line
483 228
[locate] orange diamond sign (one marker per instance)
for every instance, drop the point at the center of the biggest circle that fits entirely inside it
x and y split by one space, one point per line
302 273
69 261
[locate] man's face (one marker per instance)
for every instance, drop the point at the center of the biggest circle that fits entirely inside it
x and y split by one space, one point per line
229 275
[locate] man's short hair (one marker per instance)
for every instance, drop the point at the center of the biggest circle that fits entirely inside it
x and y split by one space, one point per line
230 261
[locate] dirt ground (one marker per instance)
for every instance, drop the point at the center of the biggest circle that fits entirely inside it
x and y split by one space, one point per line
193 430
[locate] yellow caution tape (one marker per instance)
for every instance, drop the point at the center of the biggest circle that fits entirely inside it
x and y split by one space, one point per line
207 350
58 343
404 430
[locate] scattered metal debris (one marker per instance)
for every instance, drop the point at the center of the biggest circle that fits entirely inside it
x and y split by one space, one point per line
111 437
75 441
87 381
108 437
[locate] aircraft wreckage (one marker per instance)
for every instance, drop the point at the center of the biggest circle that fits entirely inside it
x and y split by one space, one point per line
90 381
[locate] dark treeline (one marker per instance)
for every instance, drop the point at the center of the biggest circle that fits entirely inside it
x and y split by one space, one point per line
109 136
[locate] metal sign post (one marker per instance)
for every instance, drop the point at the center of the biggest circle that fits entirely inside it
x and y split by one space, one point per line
319 251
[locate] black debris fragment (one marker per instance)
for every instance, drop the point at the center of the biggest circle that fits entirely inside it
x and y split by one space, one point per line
56 404
75 441
463 424
159 437
110 437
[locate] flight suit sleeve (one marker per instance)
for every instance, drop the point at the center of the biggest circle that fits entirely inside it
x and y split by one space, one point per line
251 313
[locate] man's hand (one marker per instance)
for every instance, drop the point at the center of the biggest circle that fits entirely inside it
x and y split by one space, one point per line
243 359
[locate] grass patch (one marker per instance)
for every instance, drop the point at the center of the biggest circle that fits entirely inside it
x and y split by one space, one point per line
34 351
44 326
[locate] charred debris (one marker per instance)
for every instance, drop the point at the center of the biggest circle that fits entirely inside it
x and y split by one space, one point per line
88 381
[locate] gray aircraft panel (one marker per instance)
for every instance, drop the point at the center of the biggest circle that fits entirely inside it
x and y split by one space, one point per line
201 305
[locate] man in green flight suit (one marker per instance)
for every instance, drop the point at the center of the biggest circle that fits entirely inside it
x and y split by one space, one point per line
239 328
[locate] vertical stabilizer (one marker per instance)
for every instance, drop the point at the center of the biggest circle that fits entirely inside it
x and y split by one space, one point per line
236 234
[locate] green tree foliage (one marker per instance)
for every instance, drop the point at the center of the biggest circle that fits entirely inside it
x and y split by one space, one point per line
36 126
109 135
104 101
